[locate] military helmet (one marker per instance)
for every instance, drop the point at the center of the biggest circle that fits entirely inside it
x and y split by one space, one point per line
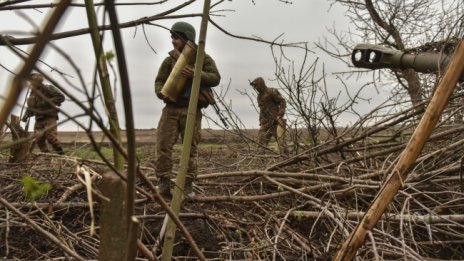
258 82
184 28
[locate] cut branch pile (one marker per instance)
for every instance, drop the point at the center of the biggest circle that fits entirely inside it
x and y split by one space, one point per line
260 207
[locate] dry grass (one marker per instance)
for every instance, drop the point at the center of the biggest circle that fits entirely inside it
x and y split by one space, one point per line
255 206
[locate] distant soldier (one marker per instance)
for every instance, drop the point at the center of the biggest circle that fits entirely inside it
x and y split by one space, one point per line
43 103
174 115
271 116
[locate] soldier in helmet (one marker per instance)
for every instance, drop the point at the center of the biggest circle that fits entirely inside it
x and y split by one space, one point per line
271 115
174 115
43 103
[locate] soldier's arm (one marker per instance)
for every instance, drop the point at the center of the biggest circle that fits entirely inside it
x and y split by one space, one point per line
162 76
29 113
282 104
210 76
55 96
30 108
262 118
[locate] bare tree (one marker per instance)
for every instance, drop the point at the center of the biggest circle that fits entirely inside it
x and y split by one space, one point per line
303 212
314 104
410 26
90 109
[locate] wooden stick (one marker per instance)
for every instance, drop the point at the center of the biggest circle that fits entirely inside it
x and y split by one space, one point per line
354 215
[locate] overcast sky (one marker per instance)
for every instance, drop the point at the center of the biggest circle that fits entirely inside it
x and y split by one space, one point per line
238 60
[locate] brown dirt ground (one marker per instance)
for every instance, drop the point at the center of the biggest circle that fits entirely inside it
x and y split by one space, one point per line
238 214
212 224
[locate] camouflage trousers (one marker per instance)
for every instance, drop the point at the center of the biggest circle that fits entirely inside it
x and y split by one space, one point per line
266 132
172 123
46 130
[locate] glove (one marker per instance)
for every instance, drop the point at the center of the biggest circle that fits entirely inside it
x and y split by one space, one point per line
161 96
281 121
56 101
25 118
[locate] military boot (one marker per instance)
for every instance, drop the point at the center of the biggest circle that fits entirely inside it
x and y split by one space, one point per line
42 146
59 150
164 185
188 189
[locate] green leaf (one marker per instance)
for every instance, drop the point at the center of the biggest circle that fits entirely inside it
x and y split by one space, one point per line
33 189
109 55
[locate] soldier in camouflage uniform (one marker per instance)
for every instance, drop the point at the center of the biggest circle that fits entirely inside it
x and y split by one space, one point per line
174 115
43 103
272 109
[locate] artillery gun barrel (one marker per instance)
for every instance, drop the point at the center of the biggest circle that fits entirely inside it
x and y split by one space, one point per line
372 56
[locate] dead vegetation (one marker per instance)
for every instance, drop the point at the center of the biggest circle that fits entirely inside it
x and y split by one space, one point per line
251 205
255 205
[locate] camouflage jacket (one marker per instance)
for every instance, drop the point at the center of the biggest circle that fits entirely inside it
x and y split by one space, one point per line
210 77
43 102
271 106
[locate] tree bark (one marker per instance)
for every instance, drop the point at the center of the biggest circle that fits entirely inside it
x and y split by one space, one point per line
113 219
414 88
19 151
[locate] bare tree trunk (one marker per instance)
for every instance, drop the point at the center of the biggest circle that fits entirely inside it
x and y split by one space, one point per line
113 219
19 152
105 82
414 88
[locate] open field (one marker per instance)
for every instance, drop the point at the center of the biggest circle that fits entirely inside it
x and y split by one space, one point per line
148 136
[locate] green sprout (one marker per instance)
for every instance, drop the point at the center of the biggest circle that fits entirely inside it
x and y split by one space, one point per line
109 55
33 189
298 215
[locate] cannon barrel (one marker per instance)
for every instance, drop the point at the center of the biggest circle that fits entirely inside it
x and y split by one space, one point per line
372 56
